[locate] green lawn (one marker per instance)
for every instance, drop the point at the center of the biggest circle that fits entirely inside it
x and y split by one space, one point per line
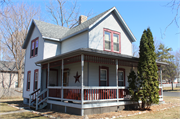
22 115
169 89
173 113
5 108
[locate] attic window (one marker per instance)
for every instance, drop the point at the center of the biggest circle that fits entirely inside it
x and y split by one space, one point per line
34 47
112 41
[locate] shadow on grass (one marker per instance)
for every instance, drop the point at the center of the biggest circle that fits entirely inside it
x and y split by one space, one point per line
178 90
16 103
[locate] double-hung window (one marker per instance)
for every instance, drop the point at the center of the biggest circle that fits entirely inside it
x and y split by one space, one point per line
112 41
28 80
35 79
34 47
121 77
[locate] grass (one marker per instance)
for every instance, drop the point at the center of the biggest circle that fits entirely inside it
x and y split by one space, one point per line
22 115
173 113
5 108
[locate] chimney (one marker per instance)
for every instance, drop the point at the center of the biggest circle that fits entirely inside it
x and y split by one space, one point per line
82 19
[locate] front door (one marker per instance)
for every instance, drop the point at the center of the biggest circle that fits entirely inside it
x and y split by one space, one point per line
65 79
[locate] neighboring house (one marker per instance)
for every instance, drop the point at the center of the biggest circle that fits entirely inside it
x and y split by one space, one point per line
9 80
82 70
8 75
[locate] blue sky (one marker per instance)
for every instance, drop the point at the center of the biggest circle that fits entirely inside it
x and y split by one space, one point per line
138 15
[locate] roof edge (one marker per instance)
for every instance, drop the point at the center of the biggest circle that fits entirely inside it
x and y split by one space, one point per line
29 34
121 20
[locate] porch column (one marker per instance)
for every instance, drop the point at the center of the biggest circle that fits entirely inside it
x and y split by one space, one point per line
117 79
62 68
82 79
161 80
48 82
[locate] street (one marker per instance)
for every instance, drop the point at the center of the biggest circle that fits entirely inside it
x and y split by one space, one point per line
172 94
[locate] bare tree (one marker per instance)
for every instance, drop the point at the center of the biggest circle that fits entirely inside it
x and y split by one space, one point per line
174 5
177 62
63 13
135 50
14 28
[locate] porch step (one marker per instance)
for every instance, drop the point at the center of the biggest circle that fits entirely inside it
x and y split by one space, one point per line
40 106
32 107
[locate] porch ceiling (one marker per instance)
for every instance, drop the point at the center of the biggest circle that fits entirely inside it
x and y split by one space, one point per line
94 52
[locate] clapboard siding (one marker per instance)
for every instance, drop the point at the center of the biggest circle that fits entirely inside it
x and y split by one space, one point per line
30 63
51 48
109 22
76 42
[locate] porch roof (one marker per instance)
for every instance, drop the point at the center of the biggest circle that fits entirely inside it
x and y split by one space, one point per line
94 52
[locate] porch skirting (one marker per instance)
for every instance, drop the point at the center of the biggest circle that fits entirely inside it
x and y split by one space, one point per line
91 108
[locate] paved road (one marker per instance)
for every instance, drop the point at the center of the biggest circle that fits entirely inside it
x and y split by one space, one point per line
172 94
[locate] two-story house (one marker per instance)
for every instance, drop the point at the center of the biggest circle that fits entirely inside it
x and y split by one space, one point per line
82 70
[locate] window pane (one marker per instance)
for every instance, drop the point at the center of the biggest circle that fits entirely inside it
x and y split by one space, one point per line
120 76
103 75
32 45
116 47
35 85
16 84
28 86
116 42
102 83
36 43
108 45
107 36
120 83
29 76
107 40
31 52
115 38
36 50
36 76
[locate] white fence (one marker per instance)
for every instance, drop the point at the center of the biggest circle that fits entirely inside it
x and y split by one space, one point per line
170 85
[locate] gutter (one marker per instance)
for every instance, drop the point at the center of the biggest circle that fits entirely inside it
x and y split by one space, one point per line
50 38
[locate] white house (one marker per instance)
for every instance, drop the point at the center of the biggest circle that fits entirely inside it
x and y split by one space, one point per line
93 59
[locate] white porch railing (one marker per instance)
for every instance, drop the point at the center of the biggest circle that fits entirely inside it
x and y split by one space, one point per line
90 94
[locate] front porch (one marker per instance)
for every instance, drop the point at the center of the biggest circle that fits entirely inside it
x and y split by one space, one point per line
92 93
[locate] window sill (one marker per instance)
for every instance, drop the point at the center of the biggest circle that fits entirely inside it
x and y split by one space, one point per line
112 51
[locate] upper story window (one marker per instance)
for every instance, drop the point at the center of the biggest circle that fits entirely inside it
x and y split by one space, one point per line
111 41
34 47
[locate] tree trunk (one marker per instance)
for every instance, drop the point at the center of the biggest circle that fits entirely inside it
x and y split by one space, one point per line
143 105
20 78
172 84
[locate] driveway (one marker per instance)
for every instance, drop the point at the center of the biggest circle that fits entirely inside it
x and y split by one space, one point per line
172 94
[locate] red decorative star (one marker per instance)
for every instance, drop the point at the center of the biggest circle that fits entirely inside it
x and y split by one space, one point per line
77 77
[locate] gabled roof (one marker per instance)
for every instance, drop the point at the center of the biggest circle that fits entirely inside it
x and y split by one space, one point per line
50 30
47 30
59 33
